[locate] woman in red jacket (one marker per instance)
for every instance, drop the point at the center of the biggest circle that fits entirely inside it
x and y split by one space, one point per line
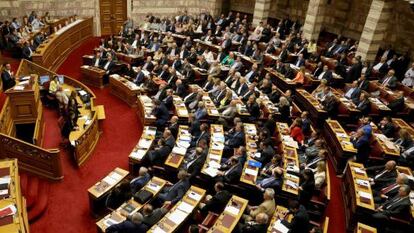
296 131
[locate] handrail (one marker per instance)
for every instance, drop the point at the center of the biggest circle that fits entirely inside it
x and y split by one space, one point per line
33 159
4 117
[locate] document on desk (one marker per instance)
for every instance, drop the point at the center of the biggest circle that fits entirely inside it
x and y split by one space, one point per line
251 172
177 216
291 184
109 222
365 195
217 146
179 150
232 210
280 227
211 171
18 88
194 196
214 164
184 206
144 143
359 171
214 157
109 180
159 230
154 187
364 183
139 154
115 176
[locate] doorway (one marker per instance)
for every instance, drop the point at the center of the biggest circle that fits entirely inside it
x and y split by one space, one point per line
113 15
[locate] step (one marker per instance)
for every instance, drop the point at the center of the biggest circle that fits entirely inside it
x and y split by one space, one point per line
32 191
41 202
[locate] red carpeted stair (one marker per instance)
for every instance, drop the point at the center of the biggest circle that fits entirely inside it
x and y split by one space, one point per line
35 190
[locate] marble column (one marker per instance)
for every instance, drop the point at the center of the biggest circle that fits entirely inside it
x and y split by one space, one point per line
261 11
375 28
314 19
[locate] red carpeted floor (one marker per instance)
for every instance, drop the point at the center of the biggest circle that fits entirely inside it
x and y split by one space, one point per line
68 209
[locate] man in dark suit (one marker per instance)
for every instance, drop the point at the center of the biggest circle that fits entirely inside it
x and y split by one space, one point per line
361 142
353 92
398 206
37 40
164 72
138 182
148 64
139 78
363 83
159 153
391 191
390 80
168 100
173 127
300 220
194 165
7 77
176 62
398 103
135 225
180 89
202 63
232 174
169 138
27 51
151 216
161 113
97 60
300 61
236 139
340 69
252 74
354 72
226 43
326 74
217 202
174 193
381 176
364 104
387 127
108 66
204 134
190 97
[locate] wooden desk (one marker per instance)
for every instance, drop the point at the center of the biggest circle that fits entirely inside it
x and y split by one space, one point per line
311 104
362 228
180 108
93 76
24 98
341 148
231 215
124 89
141 149
403 125
155 185
290 160
281 81
177 216
176 157
98 192
56 24
346 107
250 173
212 111
215 151
387 146
19 222
359 199
144 110
54 51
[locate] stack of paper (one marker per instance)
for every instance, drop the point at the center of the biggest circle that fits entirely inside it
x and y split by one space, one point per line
184 206
280 227
232 210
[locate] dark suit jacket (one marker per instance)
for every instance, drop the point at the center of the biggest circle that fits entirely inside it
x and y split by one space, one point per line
254 228
217 203
386 178
364 86
110 66
363 148
299 223
392 83
353 73
168 102
164 74
26 52
396 105
364 107
195 168
7 80
149 66
161 113
235 140
139 78
180 90
158 156
254 110
175 192
328 77
127 227
154 217
399 209
234 174
139 182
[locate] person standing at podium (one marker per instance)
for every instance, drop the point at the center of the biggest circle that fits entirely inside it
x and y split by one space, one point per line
108 65
7 77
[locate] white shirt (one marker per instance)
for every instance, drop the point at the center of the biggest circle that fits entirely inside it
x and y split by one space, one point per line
36 24
377 66
321 75
107 65
97 62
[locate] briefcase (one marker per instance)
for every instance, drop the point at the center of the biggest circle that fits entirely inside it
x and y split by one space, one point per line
142 196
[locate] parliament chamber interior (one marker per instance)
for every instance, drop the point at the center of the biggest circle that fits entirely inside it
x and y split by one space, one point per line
218 116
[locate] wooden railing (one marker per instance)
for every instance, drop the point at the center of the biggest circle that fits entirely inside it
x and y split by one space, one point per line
38 131
32 159
6 122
